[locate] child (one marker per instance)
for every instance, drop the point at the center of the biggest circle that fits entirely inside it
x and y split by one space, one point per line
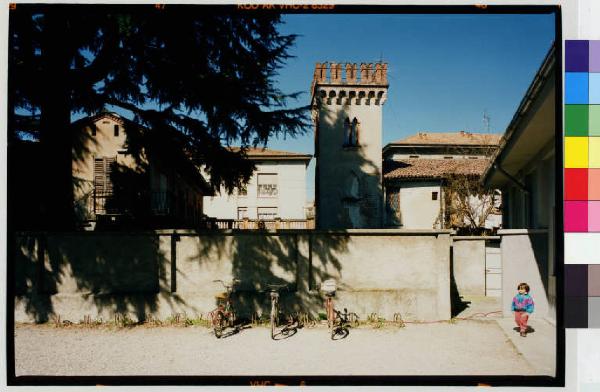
522 305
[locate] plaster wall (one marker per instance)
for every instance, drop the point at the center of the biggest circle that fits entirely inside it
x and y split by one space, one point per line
417 208
524 259
468 265
338 166
378 271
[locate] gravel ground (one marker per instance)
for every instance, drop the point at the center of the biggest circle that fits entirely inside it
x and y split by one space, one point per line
464 348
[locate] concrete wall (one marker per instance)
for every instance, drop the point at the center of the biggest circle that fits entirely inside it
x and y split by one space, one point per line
524 259
290 201
468 264
378 271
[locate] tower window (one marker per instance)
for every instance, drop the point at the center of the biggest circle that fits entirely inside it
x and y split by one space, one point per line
354 133
351 132
434 195
116 130
347 132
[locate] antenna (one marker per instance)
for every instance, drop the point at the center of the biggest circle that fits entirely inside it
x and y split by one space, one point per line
486 121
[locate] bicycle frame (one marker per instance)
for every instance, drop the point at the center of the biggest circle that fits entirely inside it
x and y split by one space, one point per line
274 312
330 310
224 315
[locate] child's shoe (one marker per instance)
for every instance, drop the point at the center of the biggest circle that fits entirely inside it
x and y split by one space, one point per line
523 334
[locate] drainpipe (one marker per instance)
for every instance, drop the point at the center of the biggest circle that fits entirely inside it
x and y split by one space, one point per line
518 183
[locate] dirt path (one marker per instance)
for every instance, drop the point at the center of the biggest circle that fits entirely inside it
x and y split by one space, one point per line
464 348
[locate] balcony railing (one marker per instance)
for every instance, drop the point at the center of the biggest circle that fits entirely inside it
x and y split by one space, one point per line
274 224
108 203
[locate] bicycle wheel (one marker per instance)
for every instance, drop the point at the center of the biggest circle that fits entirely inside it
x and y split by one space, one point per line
218 323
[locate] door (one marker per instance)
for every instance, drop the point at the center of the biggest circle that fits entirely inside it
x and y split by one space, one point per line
493 269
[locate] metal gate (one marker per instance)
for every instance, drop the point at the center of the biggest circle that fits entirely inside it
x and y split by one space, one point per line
493 269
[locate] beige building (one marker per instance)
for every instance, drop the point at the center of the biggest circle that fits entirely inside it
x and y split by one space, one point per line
277 190
524 168
116 184
347 113
416 173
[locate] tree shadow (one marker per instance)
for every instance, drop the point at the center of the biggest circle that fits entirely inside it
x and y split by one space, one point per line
260 258
349 186
457 305
112 273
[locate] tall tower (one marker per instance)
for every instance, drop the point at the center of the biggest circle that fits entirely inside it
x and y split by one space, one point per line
347 114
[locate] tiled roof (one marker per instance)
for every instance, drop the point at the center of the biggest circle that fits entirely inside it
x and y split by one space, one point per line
268 153
433 168
450 138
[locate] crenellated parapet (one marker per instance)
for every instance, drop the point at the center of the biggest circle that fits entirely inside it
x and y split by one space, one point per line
335 73
349 84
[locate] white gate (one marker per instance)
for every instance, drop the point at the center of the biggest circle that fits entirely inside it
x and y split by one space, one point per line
493 269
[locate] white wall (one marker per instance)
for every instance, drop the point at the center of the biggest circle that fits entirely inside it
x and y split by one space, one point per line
417 209
290 201
336 164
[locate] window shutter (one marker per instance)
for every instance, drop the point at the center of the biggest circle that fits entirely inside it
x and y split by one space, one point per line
102 175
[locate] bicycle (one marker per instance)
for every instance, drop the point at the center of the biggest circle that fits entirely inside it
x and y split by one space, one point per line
337 322
274 317
224 315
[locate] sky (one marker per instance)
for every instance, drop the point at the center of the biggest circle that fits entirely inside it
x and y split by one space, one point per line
444 71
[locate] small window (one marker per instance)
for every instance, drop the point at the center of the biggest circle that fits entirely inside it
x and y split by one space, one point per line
242 212
448 157
413 156
434 195
267 213
116 128
473 158
94 129
267 185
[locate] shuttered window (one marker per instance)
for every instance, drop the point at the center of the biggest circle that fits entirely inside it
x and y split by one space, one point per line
102 172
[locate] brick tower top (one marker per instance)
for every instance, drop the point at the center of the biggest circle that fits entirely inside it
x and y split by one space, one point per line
347 84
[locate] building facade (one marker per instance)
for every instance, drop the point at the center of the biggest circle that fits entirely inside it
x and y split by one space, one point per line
421 171
525 168
347 115
115 185
277 190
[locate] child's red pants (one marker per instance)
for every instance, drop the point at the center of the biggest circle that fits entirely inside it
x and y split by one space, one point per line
521 320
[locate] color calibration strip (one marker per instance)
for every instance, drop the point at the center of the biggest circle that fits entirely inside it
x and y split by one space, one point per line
582 184
582 296
582 152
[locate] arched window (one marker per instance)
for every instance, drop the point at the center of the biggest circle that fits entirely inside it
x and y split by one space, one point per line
354 133
347 132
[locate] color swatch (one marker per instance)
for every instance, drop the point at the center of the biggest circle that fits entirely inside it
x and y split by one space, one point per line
582 184
582 296
582 137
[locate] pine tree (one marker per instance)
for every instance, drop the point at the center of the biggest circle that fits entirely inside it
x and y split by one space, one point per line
198 77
